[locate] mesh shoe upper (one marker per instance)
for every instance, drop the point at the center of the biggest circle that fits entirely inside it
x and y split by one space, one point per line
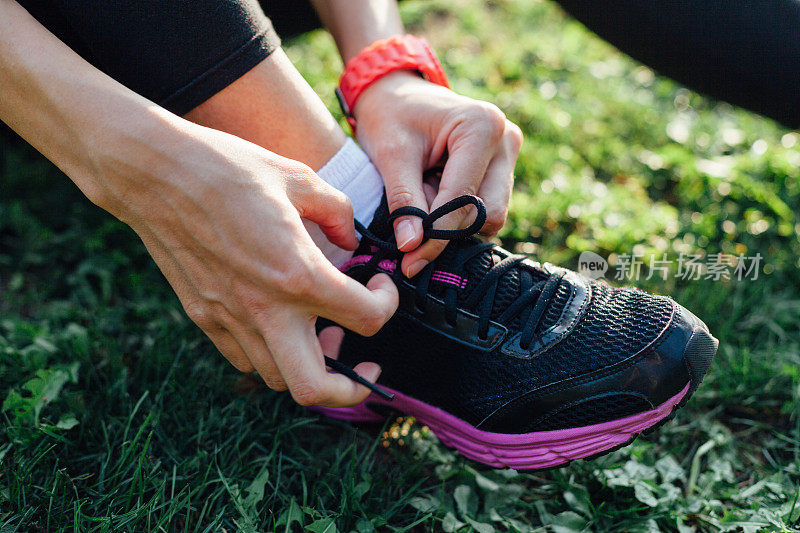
608 328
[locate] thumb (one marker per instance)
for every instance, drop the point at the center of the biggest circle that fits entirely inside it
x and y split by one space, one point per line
329 208
401 169
463 173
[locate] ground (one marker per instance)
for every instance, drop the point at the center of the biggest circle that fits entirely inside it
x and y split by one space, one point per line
118 415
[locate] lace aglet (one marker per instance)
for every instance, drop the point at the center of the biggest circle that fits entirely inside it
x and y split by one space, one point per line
350 373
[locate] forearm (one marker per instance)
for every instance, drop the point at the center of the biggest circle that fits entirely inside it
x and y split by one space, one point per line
356 24
73 113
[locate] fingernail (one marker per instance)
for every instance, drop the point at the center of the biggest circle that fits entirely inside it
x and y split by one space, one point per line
415 268
405 233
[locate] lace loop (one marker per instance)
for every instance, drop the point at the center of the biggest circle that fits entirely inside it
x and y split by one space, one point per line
445 209
449 207
407 210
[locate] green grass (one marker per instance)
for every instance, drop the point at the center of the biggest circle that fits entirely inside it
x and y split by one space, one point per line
145 427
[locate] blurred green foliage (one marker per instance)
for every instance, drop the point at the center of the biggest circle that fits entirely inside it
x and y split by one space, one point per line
118 415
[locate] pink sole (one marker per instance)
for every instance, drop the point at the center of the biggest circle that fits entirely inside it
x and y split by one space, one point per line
540 449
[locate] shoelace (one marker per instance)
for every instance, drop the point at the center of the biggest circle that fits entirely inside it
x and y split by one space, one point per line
482 296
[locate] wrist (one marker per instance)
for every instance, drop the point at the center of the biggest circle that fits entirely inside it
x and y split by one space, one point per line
135 160
390 86
357 24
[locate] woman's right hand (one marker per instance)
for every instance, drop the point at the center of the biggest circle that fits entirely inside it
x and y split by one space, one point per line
222 219
220 216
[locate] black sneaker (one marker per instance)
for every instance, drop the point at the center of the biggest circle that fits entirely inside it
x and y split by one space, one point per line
515 363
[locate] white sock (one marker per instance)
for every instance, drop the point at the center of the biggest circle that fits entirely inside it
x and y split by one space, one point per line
351 172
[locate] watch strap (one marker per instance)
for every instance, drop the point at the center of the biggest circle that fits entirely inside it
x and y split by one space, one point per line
400 52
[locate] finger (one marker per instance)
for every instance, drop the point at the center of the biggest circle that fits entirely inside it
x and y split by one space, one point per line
322 290
261 359
430 192
230 349
299 357
495 192
253 349
463 173
330 339
368 370
214 330
330 209
401 170
350 304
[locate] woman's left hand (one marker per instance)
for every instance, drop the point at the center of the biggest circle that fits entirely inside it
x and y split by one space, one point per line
408 125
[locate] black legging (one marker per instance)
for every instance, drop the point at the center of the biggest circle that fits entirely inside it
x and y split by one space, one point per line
180 52
746 52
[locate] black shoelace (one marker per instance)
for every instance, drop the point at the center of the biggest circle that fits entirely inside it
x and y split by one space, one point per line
482 296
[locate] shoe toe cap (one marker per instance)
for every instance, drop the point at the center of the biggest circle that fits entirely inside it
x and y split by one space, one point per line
691 340
678 358
681 354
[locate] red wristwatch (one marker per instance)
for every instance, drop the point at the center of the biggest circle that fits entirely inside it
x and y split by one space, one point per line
400 52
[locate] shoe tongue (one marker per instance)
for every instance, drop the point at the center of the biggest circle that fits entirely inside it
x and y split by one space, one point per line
509 286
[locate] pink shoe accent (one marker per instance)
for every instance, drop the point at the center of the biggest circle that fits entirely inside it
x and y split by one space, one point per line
390 265
452 279
539 449
387 264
